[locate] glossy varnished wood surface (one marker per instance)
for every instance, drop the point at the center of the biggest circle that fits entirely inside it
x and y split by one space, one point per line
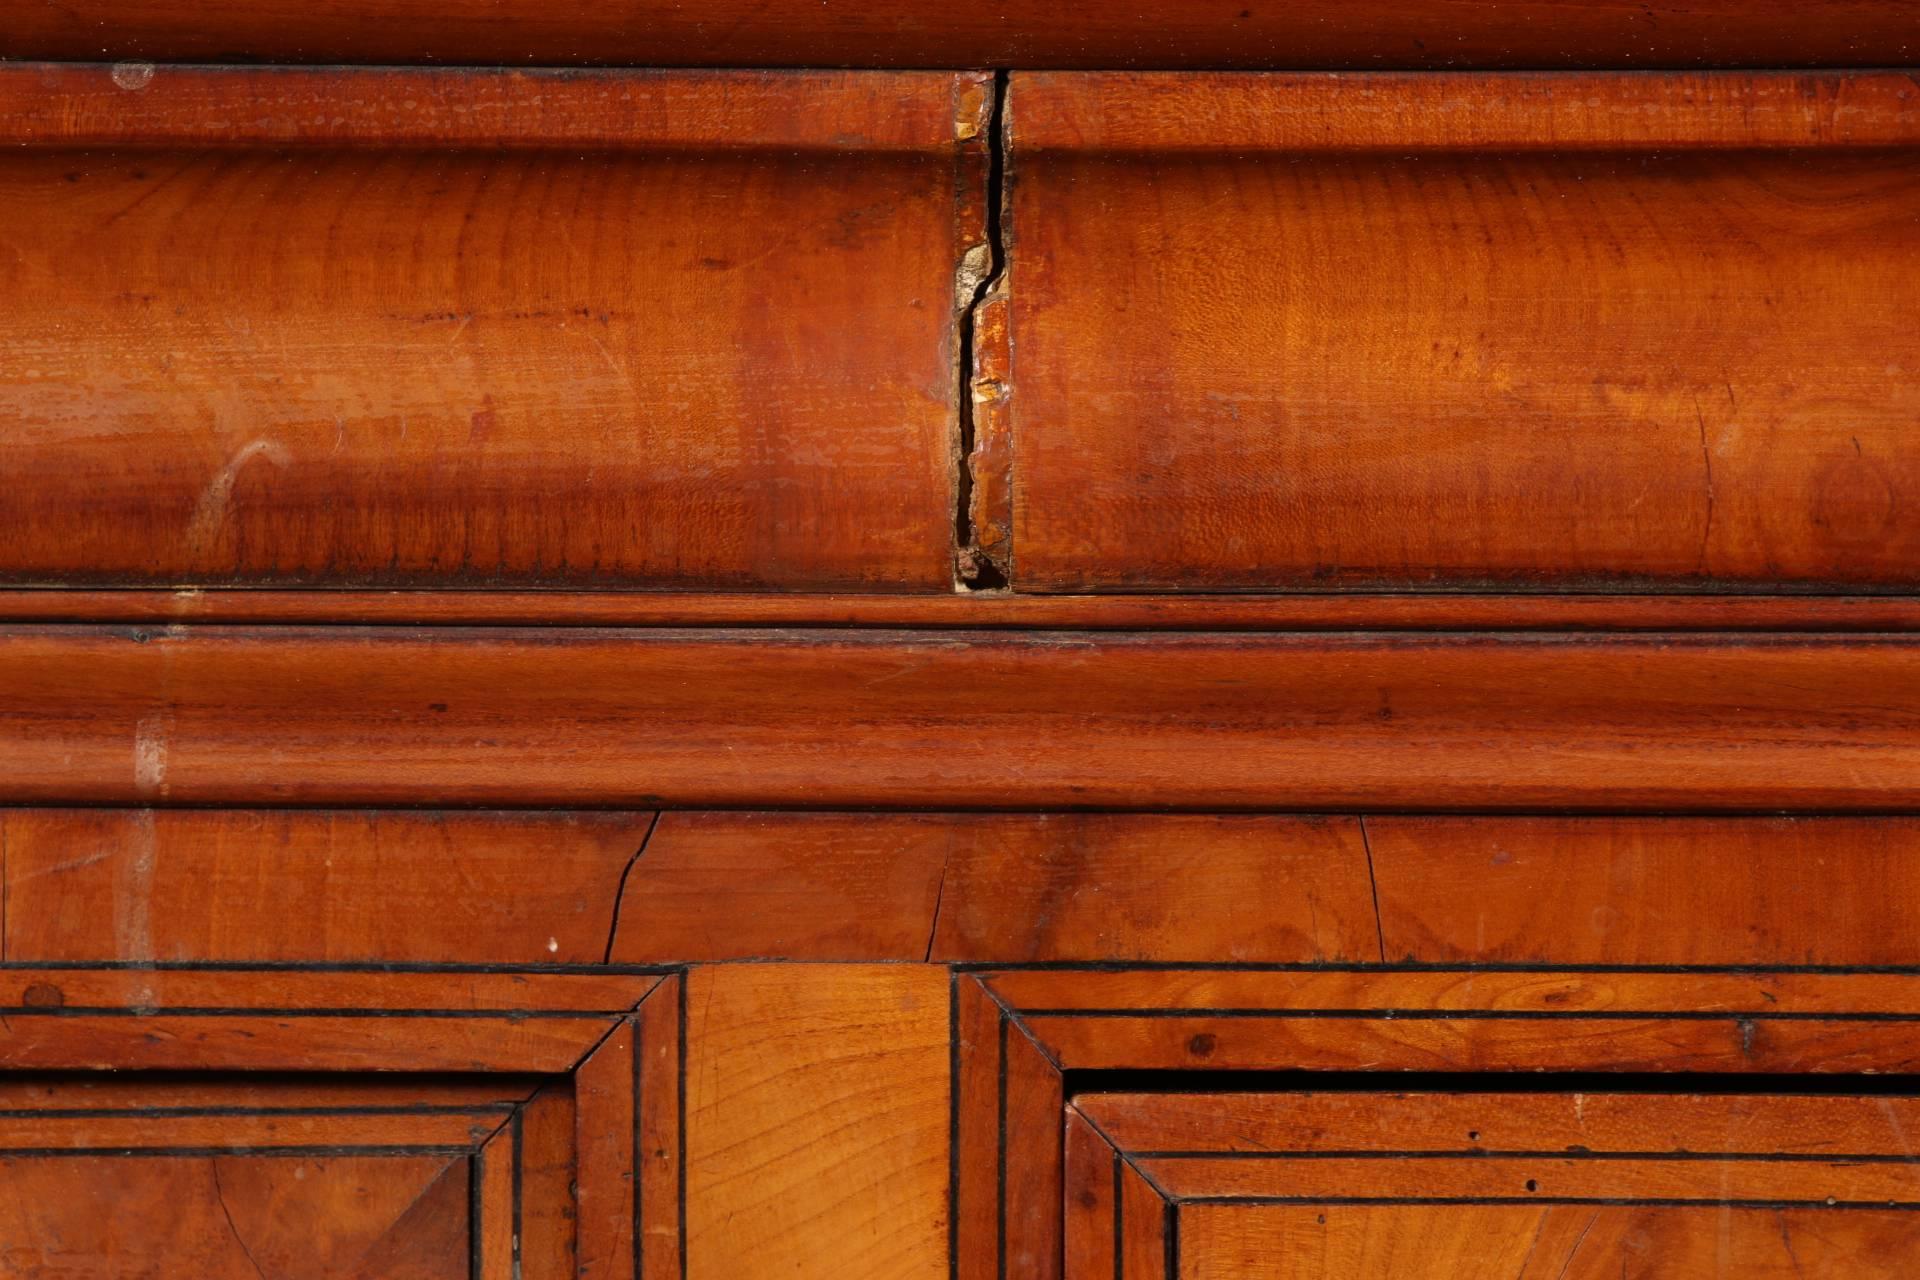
1295 611
1066 33
1007 888
1573 1242
1469 331
522 1160
1133 1171
388 327
979 719
225 885
1834 891
817 1121
1367 1185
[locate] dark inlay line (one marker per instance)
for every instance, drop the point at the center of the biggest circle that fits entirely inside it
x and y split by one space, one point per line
1470 1015
1000 1171
198 1113
680 1102
637 1156
224 1011
367 967
953 1126
184 1153
1177 1080
989 967
1274 1202
476 1242
519 1174
1741 1157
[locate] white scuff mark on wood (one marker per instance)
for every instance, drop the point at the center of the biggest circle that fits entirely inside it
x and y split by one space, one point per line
132 905
150 746
133 75
211 511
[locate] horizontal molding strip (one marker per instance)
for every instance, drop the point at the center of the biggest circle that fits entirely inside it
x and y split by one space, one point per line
1441 111
1299 611
139 105
1074 33
961 719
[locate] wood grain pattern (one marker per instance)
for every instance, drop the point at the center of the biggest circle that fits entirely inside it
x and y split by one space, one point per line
141 884
1060 33
1308 1123
1539 332
1463 1020
235 1217
239 1019
1685 1175
532 1151
817 1121
996 887
1762 891
1302 611
1144 887
244 347
785 886
1573 1242
767 718
1364 1185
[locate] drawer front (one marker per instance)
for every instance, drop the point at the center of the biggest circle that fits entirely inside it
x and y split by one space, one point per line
1464 331
992 1046
461 329
1398 1186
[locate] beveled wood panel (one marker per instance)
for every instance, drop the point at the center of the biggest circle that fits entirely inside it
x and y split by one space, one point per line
214 885
1568 1242
237 1217
544 1156
1062 33
1458 331
1363 1185
1130 1172
1675 891
943 719
471 328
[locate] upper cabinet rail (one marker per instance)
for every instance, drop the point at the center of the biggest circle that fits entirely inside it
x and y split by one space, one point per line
482 328
983 33
1542 332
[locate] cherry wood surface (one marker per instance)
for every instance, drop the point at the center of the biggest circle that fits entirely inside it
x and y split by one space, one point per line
1294 611
1686 1164
1648 890
620 674
402 327
1466 331
989 720
180 885
1363 1185
817 1111
1049 33
495 1155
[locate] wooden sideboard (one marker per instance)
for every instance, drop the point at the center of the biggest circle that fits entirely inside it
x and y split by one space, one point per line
1222 643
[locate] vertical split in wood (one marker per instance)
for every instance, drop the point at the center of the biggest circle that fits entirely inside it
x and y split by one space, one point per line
983 497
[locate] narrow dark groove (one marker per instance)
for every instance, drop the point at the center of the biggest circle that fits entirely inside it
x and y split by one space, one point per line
620 893
939 900
973 570
1373 883
1078 1082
